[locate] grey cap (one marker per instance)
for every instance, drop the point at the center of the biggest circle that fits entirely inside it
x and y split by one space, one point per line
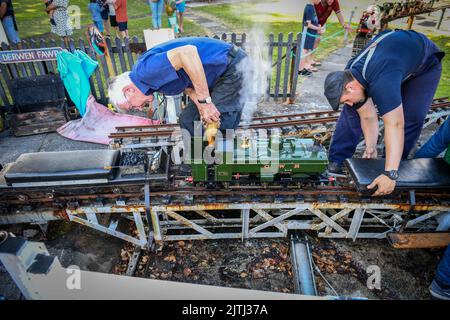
334 87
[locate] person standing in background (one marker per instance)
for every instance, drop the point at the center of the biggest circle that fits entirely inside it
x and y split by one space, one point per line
122 17
310 22
157 8
437 144
112 16
9 21
181 8
104 12
62 27
95 10
171 12
50 14
324 8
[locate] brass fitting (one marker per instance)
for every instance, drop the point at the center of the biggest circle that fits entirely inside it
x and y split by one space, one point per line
211 132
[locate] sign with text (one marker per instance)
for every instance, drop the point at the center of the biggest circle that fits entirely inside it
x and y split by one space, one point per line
29 55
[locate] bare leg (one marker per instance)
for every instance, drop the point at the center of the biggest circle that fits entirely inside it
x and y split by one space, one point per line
106 27
304 61
309 61
66 42
180 21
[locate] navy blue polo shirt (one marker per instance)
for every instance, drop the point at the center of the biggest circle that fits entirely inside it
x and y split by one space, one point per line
396 57
154 72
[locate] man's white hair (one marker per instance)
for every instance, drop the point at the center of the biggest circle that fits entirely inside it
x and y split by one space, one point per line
115 90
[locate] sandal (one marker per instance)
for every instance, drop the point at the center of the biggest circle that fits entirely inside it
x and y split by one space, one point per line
305 73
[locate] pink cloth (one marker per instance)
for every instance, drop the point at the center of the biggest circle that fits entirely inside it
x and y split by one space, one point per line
98 123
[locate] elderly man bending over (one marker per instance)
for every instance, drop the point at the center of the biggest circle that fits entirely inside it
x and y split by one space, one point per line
209 71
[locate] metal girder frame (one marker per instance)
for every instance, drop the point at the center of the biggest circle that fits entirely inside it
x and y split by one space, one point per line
330 220
341 220
88 216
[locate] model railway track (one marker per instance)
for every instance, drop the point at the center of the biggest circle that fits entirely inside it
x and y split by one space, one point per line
234 194
279 121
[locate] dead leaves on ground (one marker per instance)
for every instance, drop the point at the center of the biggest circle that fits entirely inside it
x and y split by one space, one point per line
332 262
178 261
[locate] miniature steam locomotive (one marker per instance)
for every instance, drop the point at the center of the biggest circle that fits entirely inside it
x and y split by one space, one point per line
282 159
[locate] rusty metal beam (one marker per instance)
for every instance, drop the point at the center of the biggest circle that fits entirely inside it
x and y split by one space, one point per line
419 240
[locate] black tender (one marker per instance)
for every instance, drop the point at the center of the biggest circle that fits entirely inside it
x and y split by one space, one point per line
413 174
63 166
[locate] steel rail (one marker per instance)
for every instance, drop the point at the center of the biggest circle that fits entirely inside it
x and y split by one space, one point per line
237 192
258 123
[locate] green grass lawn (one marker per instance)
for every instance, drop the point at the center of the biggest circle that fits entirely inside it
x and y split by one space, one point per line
249 18
443 42
33 21
245 17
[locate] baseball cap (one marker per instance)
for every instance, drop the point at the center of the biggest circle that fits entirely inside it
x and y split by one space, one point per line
334 87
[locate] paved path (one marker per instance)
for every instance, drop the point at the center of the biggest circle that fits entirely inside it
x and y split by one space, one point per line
212 3
212 26
310 90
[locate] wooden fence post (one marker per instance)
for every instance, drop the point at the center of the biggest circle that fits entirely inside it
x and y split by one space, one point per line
441 18
270 57
279 62
123 53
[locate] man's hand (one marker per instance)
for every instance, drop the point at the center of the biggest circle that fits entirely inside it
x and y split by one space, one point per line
385 185
370 153
150 112
348 28
209 113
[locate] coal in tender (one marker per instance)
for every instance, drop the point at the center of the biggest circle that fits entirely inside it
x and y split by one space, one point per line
133 158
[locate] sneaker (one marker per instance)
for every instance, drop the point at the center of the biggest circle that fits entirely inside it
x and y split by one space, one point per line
335 169
438 292
305 73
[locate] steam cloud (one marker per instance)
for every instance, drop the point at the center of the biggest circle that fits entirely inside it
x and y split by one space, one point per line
255 72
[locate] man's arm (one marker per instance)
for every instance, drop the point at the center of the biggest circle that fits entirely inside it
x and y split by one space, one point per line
341 19
2 9
51 7
369 125
188 59
309 25
394 132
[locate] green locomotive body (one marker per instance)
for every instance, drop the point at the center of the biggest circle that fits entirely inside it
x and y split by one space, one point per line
265 160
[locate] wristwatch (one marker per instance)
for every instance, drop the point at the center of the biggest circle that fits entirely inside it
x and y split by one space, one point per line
393 174
205 101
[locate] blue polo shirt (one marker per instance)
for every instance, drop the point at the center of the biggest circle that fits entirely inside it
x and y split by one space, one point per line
395 58
154 72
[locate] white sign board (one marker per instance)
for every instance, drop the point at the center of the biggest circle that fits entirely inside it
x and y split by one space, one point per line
29 55
155 37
